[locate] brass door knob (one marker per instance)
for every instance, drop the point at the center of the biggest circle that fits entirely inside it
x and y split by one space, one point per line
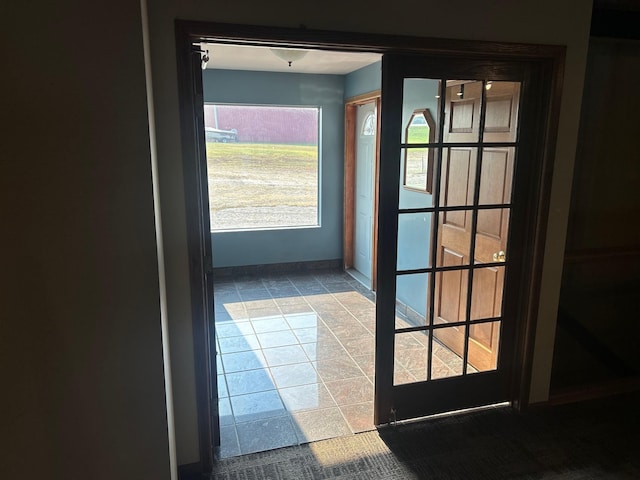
499 256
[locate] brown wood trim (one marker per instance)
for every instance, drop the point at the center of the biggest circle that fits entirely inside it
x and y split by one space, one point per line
349 178
600 254
195 245
349 183
539 209
591 392
263 35
363 98
374 263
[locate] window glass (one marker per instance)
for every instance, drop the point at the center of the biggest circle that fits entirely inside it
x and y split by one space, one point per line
263 165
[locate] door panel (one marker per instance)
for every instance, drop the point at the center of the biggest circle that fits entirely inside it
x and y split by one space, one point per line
458 324
366 125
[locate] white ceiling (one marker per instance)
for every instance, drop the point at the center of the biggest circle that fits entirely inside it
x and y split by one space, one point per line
241 57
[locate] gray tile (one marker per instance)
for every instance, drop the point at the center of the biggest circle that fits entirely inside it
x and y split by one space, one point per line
233 329
267 434
285 355
306 397
241 343
306 335
254 294
277 339
303 320
222 387
219 366
224 411
229 446
237 362
256 406
249 381
273 323
296 374
314 425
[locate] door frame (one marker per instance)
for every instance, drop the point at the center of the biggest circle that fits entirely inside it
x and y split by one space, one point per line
350 141
550 59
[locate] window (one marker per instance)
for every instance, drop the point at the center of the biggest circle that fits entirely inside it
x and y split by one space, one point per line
263 164
418 161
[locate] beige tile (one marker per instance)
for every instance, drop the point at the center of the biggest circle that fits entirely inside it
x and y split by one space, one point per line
337 368
314 425
351 390
359 416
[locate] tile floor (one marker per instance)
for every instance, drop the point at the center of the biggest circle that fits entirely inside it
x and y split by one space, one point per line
295 359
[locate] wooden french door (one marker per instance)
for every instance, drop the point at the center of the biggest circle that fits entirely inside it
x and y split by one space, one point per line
451 257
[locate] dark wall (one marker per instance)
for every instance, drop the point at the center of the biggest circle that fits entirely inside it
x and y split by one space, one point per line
599 317
80 338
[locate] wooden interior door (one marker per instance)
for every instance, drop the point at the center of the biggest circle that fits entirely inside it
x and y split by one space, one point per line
461 124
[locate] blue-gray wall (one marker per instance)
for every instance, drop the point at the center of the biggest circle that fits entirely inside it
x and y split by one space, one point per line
364 80
299 244
414 230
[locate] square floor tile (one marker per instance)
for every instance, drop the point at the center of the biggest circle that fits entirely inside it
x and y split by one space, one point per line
366 364
296 374
306 397
273 323
359 416
299 306
256 406
351 390
283 292
348 330
241 343
277 339
263 312
314 425
337 368
233 329
360 345
219 366
266 434
237 362
224 411
285 355
306 335
249 381
254 294
303 320
229 446
222 387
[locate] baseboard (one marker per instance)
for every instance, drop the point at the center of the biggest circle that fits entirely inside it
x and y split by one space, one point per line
190 471
410 314
272 268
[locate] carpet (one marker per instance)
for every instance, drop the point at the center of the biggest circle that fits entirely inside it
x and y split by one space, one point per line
589 440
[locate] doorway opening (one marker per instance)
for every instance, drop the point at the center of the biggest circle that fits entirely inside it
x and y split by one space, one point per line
402 395
294 335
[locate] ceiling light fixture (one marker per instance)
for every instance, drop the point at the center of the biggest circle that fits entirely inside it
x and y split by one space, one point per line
488 85
289 55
